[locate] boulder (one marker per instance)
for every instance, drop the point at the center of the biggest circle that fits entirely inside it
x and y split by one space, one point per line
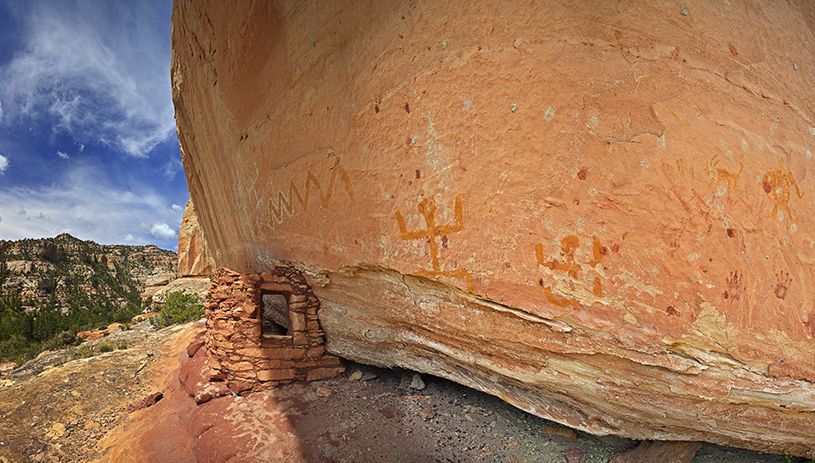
155 283
194 257
191 285
26 266
600 212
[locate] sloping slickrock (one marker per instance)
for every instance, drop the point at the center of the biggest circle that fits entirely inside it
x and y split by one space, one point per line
176 430
601 212
194 257
190 285
58 406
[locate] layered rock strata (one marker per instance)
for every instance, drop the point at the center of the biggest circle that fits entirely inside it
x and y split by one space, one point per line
62 272
248 355
600 212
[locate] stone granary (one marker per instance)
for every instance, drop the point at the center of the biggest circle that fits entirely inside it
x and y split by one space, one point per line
263 330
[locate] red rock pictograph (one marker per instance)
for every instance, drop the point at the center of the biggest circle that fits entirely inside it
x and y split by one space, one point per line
599 212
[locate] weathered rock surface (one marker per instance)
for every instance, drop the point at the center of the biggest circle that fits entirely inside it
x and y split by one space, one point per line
191 285
58 406
600 212
99 333
194 257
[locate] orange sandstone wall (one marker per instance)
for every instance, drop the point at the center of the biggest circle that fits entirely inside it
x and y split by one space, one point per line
600 211
194 256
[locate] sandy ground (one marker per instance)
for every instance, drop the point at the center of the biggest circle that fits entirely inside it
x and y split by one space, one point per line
78 411
379 420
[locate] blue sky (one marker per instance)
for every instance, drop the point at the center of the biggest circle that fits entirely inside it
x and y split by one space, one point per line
87 135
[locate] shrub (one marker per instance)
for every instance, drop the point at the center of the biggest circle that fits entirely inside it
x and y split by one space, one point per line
84 351
66 338
790 458
105 347
24 357
179 307
49 344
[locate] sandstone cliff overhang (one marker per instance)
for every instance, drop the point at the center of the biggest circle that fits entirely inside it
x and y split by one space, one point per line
600 212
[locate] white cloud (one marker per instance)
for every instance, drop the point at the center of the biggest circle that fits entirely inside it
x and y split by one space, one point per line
172 167
96 71
62 155
176 208
163 231
84 202
3 164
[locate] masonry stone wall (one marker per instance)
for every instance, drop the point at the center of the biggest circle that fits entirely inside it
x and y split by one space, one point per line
248 359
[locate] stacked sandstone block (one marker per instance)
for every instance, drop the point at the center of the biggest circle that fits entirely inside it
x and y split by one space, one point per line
241 354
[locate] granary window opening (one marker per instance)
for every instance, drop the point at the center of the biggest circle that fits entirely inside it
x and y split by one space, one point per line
275 315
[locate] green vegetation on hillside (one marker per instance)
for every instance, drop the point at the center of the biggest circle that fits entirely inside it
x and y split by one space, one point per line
179 307
61 286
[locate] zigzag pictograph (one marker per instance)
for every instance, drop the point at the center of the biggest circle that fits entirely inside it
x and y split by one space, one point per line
281 203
